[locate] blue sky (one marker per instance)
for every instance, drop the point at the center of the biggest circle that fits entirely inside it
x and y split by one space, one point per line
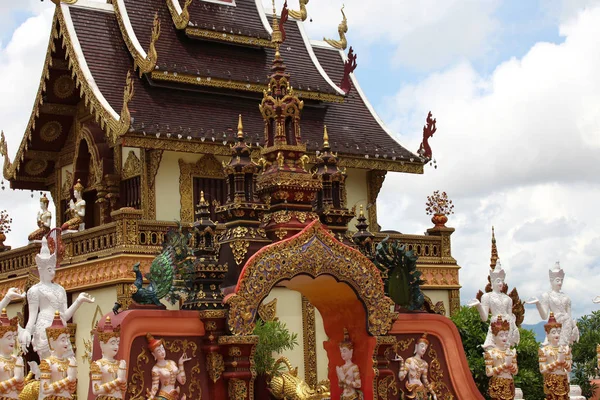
515 87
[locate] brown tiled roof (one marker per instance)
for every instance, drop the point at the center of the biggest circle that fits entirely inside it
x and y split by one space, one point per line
178 53
352 128
241 19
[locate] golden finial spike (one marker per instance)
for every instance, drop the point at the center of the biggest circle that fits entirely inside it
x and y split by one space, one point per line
202 197
494 258
240 134
276 36
325 137
362 211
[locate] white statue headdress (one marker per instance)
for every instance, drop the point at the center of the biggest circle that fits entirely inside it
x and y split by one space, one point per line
557 272
497 272
45 259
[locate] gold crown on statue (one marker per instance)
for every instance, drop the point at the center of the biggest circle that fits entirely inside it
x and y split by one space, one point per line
108 331
346 342
44 199
500 325
57 328
552 323
7 325
78 186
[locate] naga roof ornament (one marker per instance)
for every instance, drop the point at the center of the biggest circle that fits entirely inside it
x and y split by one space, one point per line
9 171
342 30
181 17
302 14
349 67
428 130
125 118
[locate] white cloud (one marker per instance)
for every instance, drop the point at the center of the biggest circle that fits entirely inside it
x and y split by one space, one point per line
517 149
425 34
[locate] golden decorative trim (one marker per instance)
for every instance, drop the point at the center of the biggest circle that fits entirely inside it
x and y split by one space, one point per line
384 387
132 167
380 164
182 20
313 252
237 389
228 37
309 339
342 30
302 14
95 169
153 159
374 183
239 248
63 86
248 339
454 296
58 109
36 166
144 64
215 366
206 167
268 311
122 126
437 308
206 314
50 131
177 77
124 295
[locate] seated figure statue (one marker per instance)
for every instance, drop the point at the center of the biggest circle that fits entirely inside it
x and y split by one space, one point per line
11 367
416 368
44 220
348 374
58 378
165 373
76 210
501 362
109 376
555 363
43 299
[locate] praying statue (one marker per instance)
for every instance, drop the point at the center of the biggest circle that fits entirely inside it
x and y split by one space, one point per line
499 304
12 372
44 220
555 363
416 368
76 210
348 374
501 362
108 375
43 299
58 378
559 304
165 373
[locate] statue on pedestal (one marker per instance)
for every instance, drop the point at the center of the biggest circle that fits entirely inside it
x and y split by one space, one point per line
76 210
44 220
44 298
501 362
416 368
58 378
498 304
559 304
555 363
165 373
12 373
348 374
109 376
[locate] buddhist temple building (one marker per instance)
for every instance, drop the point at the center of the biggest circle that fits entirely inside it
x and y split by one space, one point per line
219 115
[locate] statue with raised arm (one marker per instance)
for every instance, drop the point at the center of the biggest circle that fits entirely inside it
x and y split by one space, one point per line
12 373
498 304
108 375
44 220
44 298
559 304
501 362
415 368
348 374
58 371
555 363
76 210
165 373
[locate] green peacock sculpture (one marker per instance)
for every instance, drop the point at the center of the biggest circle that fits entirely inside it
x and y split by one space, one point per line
171 272
402 280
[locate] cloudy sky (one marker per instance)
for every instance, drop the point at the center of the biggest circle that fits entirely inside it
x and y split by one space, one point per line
515 87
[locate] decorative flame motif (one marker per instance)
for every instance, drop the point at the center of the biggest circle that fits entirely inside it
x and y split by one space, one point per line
428 130
438 203
349 67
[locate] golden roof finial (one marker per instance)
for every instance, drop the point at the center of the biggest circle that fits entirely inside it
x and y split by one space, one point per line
494 258
276 37
202 197
325 137
361 212
240 134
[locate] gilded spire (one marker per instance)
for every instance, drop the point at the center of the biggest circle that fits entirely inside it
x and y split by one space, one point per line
325 138
240 133
494 257
361 213
202 201
276 37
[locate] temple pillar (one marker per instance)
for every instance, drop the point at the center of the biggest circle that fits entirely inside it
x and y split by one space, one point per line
127 226
239 369
215 324
112 187
385 378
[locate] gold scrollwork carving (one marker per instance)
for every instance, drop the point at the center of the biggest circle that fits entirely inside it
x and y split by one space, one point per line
215 366
237 389
312 252
206 167
239 248
384 386
228 37
235 352
436 375
180 19
137 383
153 158
50 131
132 166
64 86
309 339
268 311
